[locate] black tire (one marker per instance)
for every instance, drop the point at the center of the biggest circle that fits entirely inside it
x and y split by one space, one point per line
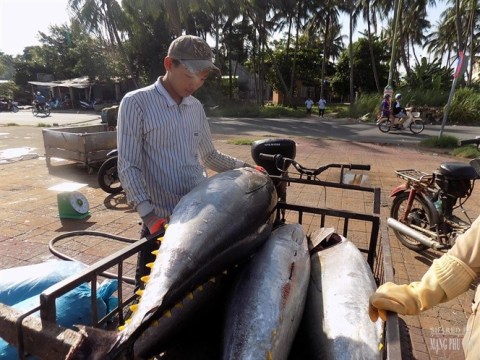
34 110
384 125
47 111
108 177
417 126
421 215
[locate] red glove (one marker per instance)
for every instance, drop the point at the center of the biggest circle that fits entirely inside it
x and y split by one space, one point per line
153 222
261 169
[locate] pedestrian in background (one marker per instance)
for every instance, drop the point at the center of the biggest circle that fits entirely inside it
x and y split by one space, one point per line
322 104
309 105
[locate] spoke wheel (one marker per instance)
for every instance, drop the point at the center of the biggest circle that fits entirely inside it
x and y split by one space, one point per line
384 126
417 126
420 216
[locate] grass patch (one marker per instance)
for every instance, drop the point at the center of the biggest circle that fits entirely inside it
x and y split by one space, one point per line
443 142
249 110
467 152
43 125
240 142
12 124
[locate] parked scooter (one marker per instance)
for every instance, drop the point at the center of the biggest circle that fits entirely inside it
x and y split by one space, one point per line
413 122
108 174
422 207
9 105
88 105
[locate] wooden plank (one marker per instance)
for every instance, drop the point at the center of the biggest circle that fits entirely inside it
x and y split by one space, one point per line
43 339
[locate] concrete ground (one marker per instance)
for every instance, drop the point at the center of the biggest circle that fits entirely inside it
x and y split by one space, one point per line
29 216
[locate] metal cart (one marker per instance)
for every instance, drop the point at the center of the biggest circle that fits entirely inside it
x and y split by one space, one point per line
364 229
85 144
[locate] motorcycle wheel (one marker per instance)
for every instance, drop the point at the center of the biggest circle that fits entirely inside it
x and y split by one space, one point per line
47 111
421 215
34 111
108 177
384 126
417 126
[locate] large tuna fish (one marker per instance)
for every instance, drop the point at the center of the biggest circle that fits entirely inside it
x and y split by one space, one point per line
336 324
268 299
219 223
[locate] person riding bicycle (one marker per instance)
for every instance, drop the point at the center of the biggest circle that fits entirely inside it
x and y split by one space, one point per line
40 101
399 112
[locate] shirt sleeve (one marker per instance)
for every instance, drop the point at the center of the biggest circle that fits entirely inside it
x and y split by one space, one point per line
467 247
130 153
211 157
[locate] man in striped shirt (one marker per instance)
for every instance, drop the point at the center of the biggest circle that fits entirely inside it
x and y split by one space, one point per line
164 139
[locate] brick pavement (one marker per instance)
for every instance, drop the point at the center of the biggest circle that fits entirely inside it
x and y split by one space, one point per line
29 217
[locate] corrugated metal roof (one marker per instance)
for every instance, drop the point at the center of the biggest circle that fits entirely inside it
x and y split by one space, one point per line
80 83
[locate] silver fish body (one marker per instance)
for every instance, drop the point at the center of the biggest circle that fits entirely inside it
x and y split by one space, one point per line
336 321
268 298
220 222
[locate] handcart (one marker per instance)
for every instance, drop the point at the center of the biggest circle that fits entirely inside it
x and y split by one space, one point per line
365 229
88 145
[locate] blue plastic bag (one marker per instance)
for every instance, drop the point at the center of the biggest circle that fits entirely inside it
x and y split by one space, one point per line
73 308
23 282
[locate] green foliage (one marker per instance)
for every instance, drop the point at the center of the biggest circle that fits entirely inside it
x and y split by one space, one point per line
240 142
429 76
423 97
8 90
307 66
362 68
366 104
465 107
443 142
245 109
467 152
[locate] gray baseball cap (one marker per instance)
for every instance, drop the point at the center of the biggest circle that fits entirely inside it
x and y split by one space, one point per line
193 52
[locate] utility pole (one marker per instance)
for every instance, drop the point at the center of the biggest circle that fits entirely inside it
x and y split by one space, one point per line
396 16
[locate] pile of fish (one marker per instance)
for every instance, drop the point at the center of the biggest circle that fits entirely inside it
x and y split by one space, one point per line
225 284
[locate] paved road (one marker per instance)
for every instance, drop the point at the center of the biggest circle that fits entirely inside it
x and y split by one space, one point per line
345 129
314 127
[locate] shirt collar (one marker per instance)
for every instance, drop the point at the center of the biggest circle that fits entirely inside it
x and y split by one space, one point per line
161 89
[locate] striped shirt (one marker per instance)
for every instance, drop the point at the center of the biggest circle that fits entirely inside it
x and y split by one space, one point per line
163 148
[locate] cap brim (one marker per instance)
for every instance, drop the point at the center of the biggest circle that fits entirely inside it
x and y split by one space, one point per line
196 66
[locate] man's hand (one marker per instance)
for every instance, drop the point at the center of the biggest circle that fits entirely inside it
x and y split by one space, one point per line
153 222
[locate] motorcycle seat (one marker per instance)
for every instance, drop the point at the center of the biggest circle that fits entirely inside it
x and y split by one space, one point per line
458 171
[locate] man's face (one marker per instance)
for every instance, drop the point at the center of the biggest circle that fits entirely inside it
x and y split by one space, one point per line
184 82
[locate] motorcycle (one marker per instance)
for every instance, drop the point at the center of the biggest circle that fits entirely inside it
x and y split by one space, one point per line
108 174
413 122
41 110
421 214
9 105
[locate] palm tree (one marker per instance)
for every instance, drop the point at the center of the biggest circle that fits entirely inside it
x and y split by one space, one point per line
104 18
352 9
325 21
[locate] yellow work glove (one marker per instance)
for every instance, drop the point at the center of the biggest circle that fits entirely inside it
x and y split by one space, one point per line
446 278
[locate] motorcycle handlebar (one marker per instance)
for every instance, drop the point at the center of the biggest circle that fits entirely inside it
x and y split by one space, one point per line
277 158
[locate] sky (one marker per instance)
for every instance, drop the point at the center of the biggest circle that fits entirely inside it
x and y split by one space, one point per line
21 20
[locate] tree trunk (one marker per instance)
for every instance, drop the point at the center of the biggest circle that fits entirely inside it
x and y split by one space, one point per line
350 53
370 46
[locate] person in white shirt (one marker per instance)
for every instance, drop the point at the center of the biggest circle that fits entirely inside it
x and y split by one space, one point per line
309 105
164 140
322 104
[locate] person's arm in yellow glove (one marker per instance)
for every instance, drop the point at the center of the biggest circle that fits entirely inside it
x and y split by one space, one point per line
446 278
